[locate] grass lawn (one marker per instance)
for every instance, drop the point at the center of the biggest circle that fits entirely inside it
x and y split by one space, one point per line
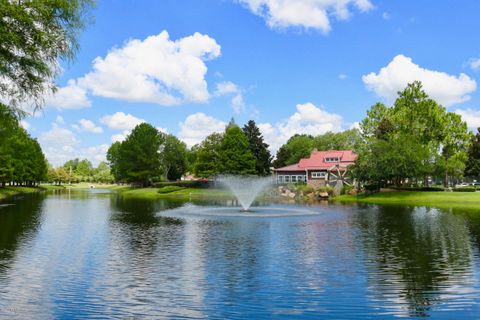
185 193
443 199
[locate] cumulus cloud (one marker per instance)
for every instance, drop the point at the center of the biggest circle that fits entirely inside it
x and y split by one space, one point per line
197 127
71 96
230 88
119 137
308 14
446 89
308 119
121 121
471 117
60 145
85 125
154 70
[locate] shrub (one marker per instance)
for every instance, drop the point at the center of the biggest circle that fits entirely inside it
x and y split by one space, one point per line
346 189
185 184
326 189
169 189
372 187
422 188
465 189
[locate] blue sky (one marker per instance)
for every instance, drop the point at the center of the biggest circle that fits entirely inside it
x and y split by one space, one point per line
294 66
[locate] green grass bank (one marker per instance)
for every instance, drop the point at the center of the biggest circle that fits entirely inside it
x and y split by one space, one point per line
11 191
470 200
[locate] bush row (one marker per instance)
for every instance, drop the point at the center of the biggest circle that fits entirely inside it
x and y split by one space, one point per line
185 184
465 189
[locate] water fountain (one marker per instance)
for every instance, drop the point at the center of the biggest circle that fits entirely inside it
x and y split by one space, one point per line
245 188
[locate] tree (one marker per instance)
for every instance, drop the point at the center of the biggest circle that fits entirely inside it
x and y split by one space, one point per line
410 140
297 147
472 166
34 35
207 162
113 155
234 154
174 158
84 170
345 140
102 173
139 159
259 149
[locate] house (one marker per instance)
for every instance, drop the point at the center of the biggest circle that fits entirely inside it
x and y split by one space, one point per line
320 169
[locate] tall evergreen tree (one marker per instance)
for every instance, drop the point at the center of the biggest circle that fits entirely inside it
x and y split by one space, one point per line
263 158
472 167
235 155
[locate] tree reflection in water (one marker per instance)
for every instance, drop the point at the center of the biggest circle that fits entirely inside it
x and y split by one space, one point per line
418 254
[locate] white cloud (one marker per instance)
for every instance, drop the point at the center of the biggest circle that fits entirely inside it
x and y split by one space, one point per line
309 14
385 16
197 127
471 117
60 145
24 124
446 89
308 119
121 121
342 76
227 88
475 64
119 137
85 125
71 96
154 70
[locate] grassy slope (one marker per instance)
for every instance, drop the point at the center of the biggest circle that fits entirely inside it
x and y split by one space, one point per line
419 198
12 191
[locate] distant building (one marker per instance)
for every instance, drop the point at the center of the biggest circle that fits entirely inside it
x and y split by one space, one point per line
320 169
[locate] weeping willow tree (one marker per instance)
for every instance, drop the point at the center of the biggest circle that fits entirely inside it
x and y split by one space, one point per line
35 36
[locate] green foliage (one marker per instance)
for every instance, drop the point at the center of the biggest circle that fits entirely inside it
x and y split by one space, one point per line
194 184
139 158
301 145
34 35
207 160
21 158
170 189
174 158
234 154
259 149
297 147
472 166
413 139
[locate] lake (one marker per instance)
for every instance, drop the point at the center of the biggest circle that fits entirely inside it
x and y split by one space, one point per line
93 254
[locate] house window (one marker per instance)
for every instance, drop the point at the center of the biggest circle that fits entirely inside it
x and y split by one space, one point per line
280 178
332 159
301 178
287 178
294 179
319 174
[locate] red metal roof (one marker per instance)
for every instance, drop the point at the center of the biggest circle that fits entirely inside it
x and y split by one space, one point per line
316 161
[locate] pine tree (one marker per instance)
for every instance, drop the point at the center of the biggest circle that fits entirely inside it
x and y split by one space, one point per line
235 155
263 158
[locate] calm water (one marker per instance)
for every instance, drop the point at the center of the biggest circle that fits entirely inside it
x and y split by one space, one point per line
91 254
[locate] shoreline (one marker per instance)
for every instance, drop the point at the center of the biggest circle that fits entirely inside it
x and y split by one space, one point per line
439 199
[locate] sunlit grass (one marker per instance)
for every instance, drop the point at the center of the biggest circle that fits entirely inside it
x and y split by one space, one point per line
419 198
